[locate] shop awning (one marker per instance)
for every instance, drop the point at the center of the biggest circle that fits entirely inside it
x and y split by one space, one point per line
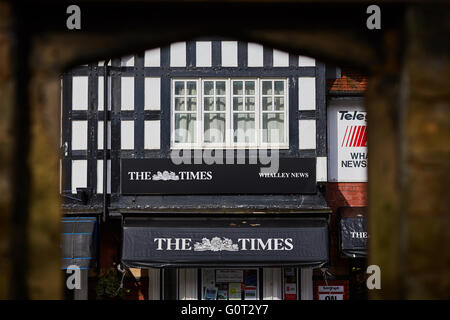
354 233
78 242
192 242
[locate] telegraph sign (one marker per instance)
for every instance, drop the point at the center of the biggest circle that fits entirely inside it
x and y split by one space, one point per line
347 136
331 290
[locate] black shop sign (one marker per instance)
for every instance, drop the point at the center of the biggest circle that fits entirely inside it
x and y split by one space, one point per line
246 241
162 176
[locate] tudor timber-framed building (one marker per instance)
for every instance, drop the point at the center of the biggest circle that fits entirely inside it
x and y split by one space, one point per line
200 95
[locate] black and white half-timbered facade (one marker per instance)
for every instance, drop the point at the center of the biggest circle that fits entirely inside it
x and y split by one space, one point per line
216 164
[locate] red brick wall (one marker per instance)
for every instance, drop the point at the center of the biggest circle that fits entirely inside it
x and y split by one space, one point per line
346 194
349 82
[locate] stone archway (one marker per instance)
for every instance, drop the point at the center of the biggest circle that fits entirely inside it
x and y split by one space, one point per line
407 99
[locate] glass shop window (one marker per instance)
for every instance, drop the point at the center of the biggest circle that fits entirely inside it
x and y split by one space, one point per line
290 284
230 284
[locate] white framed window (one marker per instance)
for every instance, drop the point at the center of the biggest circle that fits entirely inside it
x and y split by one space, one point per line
244 113
229 113
185 113
214 112
273 112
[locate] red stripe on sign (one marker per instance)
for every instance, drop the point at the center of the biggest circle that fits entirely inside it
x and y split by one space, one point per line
358 143
352 130
355 132
359 136
345 134
358 129
364 139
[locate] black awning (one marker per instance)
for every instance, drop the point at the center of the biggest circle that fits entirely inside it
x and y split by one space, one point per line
78 242
354 233
237 203
191 242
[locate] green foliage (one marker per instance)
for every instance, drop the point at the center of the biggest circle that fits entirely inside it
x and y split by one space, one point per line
108 284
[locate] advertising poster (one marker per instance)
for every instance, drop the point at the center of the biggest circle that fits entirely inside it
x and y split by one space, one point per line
331 290
210 294
235 291
290 291
222 295
290 284
250 293
347 135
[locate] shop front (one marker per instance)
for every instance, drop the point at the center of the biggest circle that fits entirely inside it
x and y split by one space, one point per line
228 258
211 157
227 239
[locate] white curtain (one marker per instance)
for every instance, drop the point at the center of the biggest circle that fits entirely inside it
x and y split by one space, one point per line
273 127
185 127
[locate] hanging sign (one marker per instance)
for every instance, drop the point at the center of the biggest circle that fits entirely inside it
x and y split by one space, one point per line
347 136
354 237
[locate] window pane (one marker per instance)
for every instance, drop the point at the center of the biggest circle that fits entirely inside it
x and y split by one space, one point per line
220 88
238 104
179 104
267 103
208 104
214 127
209 88
267 87
185 127
279 87
191 88
191 104
179 88
273 127
220 104
244 127
250 104
279 104
249 87
237 87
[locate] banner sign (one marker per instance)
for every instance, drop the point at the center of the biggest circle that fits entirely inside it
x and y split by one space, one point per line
162 176
354 237
183 243
331 290
347 136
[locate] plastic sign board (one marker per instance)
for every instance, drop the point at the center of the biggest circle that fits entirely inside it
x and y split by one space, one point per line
290 291
331 290
347 139
162 176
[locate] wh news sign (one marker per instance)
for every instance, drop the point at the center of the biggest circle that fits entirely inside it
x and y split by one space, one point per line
347 136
